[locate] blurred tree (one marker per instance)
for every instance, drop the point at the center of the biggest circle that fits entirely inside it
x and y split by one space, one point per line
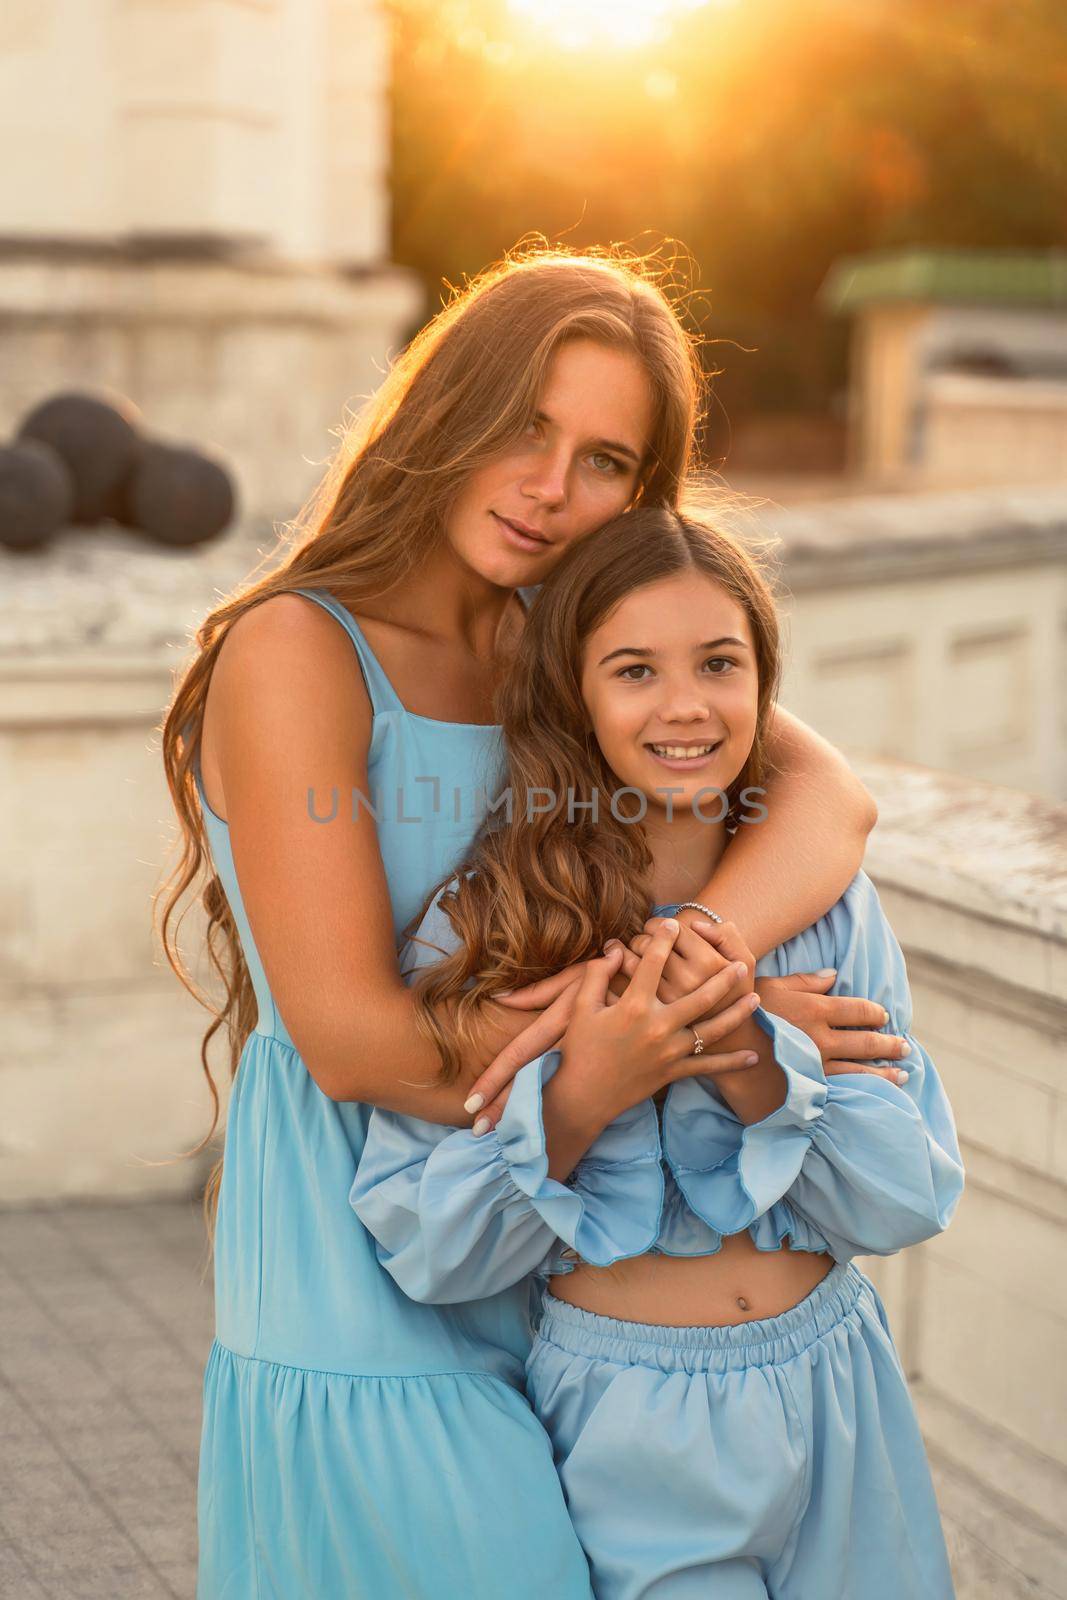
770 136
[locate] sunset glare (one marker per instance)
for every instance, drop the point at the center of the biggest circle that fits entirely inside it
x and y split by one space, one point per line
609 24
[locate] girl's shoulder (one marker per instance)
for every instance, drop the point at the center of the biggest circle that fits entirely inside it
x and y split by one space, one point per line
854 936
435 936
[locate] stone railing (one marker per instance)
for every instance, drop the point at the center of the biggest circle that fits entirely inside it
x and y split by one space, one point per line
929 628
974 880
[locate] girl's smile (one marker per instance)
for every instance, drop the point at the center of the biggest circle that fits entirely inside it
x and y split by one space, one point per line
671 686
681 756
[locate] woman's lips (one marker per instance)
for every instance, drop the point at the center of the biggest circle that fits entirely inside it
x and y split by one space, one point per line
528 543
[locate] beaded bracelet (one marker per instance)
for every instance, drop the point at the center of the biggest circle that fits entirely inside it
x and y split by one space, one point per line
694 905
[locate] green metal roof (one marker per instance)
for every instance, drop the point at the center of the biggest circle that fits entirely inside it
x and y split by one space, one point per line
979 277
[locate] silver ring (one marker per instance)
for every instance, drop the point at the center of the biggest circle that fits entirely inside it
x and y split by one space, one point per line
698 1048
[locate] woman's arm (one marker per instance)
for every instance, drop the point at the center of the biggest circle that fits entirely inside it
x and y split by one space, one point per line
778 876
289 712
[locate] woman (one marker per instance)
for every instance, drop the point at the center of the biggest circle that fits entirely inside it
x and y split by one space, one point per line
347 1433
727 1410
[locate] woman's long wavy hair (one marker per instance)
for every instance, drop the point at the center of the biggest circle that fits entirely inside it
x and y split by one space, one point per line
538 890
465 387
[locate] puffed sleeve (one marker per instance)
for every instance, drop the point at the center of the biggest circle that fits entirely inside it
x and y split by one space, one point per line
872 1165
458 1218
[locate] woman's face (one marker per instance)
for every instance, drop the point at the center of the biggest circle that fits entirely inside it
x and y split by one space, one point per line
574 468
670 672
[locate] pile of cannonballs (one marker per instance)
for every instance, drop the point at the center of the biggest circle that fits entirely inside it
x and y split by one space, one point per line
83 458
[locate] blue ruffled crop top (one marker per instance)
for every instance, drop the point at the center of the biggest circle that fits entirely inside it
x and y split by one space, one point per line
848 1165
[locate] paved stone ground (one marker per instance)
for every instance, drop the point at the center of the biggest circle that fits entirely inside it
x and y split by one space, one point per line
105 1324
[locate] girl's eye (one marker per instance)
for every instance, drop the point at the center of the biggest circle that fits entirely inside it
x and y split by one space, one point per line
641 666
605 463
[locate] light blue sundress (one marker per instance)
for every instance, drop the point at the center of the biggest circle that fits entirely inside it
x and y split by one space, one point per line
357 1446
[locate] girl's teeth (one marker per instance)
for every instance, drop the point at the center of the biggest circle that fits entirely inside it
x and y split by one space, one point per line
674 753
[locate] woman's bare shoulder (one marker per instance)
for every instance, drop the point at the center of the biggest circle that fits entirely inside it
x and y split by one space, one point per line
286 679
285 630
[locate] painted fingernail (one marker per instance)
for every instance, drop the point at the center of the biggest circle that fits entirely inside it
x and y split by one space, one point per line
885 1016
475 1103
753 1001
826 972
751 1060
481 1126
612 944
900 1077
670 924
905 1048
740 969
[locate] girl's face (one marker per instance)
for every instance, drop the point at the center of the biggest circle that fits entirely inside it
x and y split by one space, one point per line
574 468
670 683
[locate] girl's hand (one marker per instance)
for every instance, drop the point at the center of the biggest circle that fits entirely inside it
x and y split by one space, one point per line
840 1026
691 961
629 1046
619 1054
695 958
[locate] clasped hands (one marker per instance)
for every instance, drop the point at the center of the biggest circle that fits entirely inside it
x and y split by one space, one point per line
844 1029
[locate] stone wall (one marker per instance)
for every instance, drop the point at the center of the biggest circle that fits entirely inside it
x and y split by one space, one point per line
974 880
930 628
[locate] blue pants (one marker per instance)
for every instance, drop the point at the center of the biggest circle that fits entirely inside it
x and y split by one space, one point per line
777 1458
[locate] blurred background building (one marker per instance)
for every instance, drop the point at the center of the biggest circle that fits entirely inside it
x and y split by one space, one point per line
200 219
234 211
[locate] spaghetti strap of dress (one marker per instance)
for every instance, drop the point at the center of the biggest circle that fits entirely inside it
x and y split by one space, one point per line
383 697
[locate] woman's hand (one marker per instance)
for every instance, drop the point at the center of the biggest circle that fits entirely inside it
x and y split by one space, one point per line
528 1022
840 1026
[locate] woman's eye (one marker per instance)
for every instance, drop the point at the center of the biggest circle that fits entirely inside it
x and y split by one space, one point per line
605 463
723 661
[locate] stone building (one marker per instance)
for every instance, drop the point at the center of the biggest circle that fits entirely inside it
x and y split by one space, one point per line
958 365
198 218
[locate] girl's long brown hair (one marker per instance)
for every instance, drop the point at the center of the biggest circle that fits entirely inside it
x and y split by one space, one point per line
463 389
542 888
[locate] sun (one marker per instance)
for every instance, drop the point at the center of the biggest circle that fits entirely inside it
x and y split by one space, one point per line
618 24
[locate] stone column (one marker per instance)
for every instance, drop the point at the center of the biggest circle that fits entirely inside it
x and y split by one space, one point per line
199 219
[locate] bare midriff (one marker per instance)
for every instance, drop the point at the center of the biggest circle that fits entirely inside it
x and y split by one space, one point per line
739 1284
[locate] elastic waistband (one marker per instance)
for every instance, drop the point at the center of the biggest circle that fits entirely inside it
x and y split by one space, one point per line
762 1343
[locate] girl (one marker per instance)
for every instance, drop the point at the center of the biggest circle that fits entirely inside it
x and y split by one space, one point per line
727 1410
351 1438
